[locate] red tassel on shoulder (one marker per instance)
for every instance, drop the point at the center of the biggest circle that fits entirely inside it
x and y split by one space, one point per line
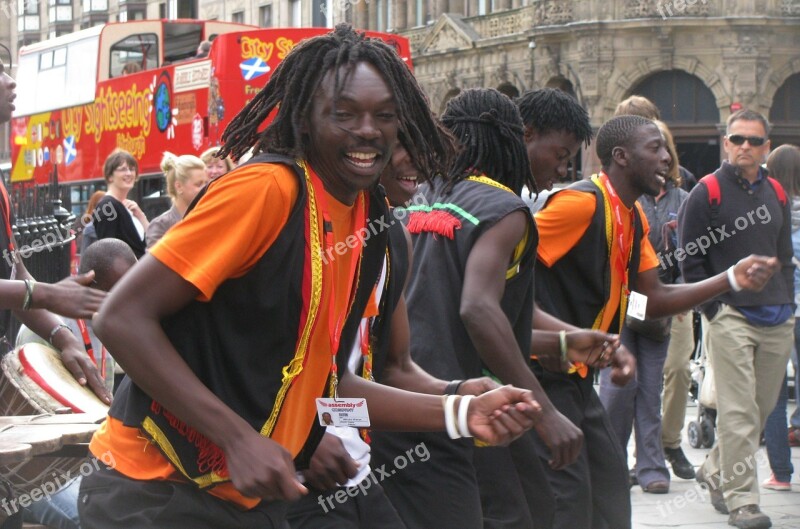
437 221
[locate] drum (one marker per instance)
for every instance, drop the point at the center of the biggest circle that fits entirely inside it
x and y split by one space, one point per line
35 381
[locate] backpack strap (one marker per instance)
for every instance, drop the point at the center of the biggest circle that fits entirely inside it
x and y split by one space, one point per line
778 190
712 186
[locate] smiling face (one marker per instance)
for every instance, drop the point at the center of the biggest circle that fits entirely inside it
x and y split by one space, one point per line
746 156
349 137
549 155
7 95
401 177
123 178
648 160
215 168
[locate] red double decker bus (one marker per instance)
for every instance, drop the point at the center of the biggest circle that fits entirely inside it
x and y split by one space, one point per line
137 86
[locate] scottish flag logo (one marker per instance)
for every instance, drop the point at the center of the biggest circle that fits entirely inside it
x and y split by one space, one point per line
252 68
69 149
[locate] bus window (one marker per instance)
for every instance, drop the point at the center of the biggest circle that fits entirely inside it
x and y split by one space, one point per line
140 49
181 40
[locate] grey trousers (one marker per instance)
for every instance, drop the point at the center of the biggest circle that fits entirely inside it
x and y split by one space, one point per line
639 403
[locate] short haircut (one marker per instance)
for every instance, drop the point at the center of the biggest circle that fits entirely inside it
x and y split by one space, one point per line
117 158
100 256
638 106
746 114
619 131
550 109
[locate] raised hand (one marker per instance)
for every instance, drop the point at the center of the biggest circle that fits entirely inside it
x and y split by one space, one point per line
623 366
502 415
70 297
753 272
477 386
331 466
593 348
84 370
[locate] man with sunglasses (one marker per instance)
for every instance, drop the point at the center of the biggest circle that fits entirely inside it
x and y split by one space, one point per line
749 333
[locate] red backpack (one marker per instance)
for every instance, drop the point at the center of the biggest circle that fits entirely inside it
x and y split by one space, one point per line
712 185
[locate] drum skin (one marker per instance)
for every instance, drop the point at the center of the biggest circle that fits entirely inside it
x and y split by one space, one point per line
34 373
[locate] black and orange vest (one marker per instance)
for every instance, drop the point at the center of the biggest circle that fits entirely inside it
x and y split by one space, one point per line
247 342
576 288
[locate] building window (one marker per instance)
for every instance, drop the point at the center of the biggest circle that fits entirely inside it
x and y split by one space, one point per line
420 14
295 14
322 13
265 16
238 17
28 8
90 6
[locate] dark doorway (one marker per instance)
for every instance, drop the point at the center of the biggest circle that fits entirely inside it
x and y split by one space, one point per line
700 158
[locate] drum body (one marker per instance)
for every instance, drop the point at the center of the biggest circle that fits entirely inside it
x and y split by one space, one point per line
34 381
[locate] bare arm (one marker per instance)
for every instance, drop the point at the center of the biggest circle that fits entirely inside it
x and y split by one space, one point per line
128 324
751 273
70 297
493 337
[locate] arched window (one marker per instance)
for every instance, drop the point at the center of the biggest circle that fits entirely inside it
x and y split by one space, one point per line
681 97
785 106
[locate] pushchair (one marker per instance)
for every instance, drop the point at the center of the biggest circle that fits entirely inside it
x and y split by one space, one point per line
701 432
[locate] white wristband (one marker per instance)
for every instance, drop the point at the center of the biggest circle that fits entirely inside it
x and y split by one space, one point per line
732 280
450 417
463 408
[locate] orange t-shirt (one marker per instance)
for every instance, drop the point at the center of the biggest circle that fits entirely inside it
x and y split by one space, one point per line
224 236
562 224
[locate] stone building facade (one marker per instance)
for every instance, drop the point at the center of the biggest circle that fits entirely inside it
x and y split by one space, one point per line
697 59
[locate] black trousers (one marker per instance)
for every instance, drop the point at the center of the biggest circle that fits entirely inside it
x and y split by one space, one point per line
440 493
361 507
515 493
109 500
593 492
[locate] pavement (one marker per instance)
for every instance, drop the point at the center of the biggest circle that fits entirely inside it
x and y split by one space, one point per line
687 505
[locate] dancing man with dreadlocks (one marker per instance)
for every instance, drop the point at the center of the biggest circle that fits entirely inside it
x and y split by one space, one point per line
235 328
595 262
470 309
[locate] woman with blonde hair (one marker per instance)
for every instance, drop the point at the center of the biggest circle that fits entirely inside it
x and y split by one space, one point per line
216 167
186 176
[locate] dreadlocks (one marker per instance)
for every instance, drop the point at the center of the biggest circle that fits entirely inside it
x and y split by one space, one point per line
296 80
550 109
617 132
489 128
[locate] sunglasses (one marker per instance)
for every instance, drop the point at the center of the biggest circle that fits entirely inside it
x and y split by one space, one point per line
754 141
